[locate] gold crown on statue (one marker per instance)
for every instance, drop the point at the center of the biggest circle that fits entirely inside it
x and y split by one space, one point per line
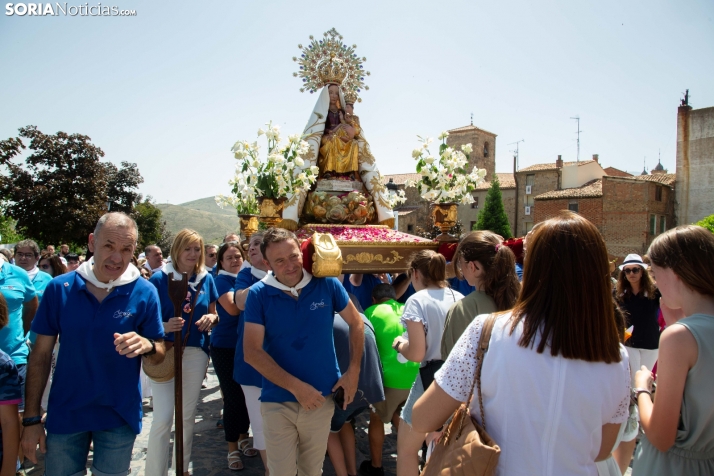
350 97
329 61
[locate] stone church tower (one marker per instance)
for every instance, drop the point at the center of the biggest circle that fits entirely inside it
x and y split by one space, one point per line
483 143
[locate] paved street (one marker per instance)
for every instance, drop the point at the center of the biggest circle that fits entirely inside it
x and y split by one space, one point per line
210 449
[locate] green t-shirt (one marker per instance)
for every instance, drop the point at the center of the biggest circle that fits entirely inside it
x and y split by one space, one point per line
385 320
460 316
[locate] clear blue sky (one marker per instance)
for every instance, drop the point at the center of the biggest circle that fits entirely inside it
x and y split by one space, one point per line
175 86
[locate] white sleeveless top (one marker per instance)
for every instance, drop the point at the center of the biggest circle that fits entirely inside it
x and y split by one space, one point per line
546 413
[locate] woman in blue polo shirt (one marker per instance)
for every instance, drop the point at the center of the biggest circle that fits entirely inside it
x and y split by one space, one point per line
250 380
223 351
198 317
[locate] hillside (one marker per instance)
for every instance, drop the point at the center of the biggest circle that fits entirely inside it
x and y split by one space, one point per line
208 204
212 226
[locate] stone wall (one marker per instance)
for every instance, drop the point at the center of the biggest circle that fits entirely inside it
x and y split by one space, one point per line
695 164
468 214
590 208
544 181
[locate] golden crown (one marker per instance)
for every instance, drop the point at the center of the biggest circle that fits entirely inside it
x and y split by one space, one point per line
351 97
329 61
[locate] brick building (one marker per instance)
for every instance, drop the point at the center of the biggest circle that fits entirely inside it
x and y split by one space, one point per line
628 211
542 178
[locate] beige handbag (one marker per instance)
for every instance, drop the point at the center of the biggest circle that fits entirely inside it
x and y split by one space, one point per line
465 449
164 371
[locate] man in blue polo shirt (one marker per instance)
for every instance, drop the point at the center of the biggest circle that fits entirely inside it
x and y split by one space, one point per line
288 339
106 316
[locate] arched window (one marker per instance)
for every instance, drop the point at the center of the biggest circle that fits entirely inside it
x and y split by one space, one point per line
485 149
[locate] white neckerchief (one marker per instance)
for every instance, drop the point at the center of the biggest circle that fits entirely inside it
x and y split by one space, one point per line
33 272
258 273
245 264
271 280
209 270
148 266
232 275
86 271
169 270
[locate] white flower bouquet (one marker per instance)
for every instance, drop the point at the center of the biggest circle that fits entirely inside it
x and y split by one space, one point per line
283 173
396 198
445 180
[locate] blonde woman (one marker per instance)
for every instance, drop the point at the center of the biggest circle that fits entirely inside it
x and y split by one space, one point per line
187 256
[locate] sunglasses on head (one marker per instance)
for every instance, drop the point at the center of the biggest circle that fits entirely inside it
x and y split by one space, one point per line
635 270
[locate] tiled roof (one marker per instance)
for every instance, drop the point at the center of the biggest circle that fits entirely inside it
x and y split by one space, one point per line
401 179
592 189
470 128
613 172
506 181
666 179
551 166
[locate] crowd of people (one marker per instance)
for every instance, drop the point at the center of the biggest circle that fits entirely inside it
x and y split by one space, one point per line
589 368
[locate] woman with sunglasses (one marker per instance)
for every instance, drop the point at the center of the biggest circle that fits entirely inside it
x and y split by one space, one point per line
638 298
223 350
51 264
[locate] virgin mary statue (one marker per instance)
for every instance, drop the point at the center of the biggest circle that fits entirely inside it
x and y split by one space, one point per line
337 142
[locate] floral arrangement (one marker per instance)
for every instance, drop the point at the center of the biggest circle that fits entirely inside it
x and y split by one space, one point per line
445 180
396 198
359 234
283 173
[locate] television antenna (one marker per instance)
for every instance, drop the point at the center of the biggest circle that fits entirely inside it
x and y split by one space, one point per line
517 150
577 118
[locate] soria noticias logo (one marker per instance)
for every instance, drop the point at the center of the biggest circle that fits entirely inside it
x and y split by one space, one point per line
64 9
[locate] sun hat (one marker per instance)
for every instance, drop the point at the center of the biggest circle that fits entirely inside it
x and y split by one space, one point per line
633 259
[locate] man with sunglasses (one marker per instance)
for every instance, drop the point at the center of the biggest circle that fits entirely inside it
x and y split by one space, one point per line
211 258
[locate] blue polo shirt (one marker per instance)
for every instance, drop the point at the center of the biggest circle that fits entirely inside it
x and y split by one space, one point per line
207 295
225 334
461 285
298 333
94 388
244 373
17 288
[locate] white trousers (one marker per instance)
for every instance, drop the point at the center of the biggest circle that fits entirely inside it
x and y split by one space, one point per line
252 403
195 361
640 357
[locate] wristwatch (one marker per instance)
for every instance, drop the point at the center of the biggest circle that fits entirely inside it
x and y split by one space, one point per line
153 348
637 391
30 421
396 347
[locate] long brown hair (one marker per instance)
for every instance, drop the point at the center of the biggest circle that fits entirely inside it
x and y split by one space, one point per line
224 248
500 280
58 267
4 313
566 294
688 251
623 288
432 267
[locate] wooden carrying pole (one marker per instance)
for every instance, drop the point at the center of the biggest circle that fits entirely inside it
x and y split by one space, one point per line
177 292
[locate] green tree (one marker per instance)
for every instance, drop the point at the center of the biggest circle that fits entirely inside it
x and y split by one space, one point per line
493 216
152 229
62 188
707 223
122 184
8 233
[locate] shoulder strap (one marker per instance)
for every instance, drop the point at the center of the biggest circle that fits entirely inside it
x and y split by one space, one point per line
483 343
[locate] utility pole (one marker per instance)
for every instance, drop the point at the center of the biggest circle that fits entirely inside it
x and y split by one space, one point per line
577 118
516 151
472 118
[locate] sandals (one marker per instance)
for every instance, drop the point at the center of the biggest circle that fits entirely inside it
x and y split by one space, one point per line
234 461
246 447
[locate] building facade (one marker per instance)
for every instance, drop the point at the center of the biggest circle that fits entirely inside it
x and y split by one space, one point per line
483 144
695 164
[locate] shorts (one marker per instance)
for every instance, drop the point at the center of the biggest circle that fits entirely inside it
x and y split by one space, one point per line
414 394
22 375
393 398
340 417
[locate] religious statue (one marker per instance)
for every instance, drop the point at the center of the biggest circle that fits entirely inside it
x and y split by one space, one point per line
349 188
339 152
